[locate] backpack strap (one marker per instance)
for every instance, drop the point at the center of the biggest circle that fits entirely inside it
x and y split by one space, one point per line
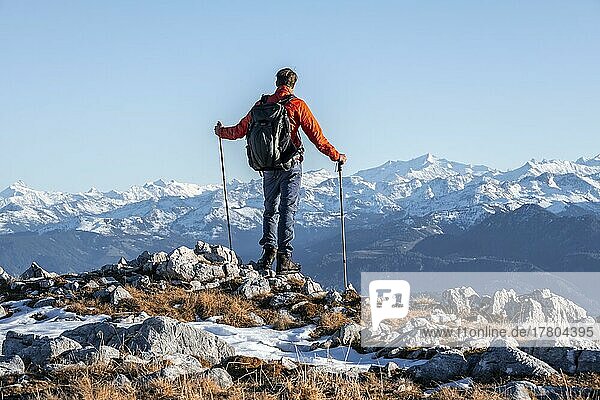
264 98
286 99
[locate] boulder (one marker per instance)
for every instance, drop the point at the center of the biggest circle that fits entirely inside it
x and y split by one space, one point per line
232 270
35 271
333 297
312 288
560 358
15 342
138 281
286 299
46 283
35 349
518 390
219 376
589 361
108 280
202 247
72 286
216 253
11 365
135 318
47 302
566 392
104 294
208 272
390 369
90 355
119 294
97 334
121 381
179 365
254 287
281 283
185 265
509 362
461 384
164 335
349 334
154 262
91 285
181 265
142 259
443 367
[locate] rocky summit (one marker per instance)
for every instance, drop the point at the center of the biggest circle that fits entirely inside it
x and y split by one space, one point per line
200 322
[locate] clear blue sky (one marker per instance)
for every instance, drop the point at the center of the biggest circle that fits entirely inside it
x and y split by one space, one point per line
115 93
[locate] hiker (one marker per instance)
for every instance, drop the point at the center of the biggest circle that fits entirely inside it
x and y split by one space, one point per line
275 149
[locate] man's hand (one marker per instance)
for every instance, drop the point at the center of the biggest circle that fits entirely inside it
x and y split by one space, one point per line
218 127
342 160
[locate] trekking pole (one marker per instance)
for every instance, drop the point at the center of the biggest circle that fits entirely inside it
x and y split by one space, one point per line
339 168
225 191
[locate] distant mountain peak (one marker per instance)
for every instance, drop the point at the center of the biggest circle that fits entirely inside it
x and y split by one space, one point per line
590 162
19 184
159 182
425 159
424 168
93 191
17 188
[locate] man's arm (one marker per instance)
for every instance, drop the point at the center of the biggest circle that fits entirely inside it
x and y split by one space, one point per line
234 132
313 130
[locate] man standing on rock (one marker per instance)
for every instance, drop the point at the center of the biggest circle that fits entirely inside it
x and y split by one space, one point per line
275 148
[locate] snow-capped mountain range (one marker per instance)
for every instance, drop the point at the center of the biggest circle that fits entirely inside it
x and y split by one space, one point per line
424 186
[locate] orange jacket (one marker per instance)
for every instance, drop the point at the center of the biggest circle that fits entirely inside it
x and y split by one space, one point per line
299 115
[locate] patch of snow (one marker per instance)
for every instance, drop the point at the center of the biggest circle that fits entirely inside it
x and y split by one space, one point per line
261 342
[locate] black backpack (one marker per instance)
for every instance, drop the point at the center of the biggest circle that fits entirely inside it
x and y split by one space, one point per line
270 146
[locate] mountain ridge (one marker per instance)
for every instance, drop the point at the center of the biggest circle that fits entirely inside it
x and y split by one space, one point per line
428 195
418 187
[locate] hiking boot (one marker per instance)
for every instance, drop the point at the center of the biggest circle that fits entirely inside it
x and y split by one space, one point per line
268 257
285 265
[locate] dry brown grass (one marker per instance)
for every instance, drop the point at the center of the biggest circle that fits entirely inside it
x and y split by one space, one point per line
330 322
310 310
234 309
282 322
89 306
175 302
586 379
254 379
475 394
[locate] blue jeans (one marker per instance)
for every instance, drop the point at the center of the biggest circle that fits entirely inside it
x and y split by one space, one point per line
281 190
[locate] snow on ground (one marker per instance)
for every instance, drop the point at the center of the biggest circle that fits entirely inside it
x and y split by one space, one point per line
269 344
56 320
261 342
